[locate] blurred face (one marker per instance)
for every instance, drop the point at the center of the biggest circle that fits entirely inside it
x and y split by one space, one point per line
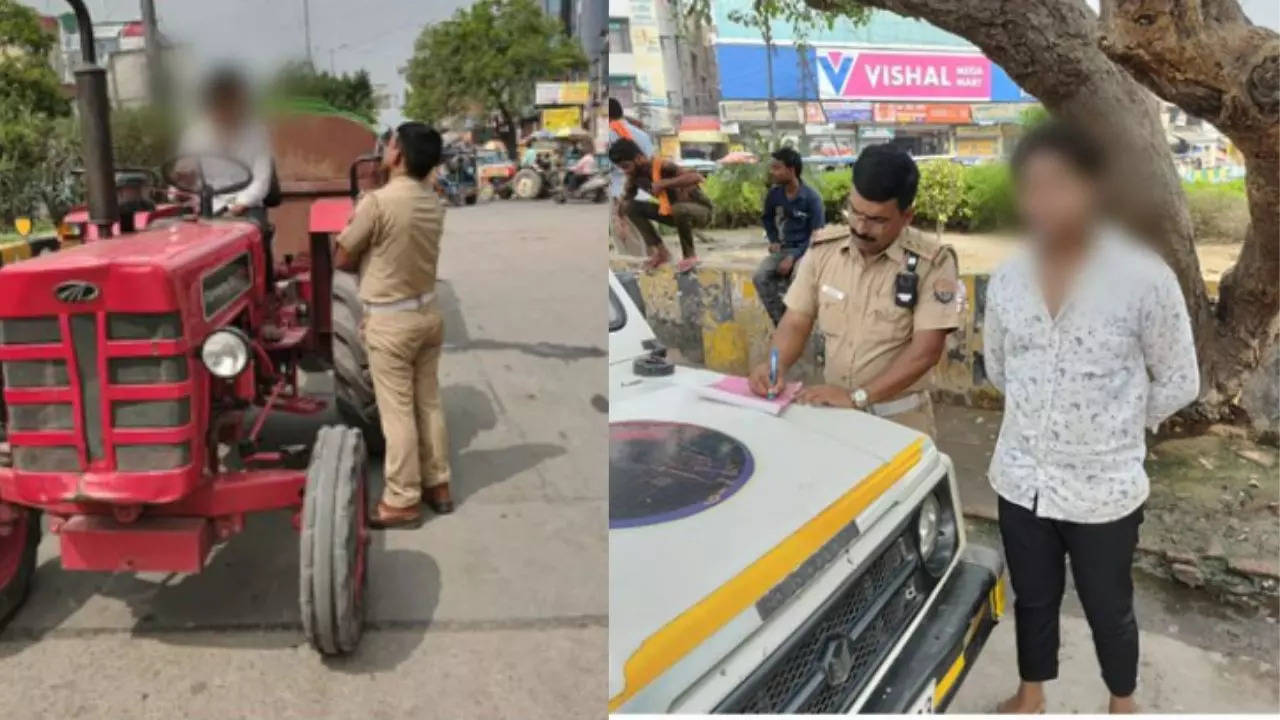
1055 200
875 225
628 167
779 173
229 110
392 156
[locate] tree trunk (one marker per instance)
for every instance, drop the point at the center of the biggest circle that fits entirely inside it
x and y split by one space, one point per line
509 135
767 32
1053 49
1208 59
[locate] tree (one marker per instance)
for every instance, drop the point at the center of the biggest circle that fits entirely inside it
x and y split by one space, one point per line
31 105
351 93
486 59
1204 57
941 192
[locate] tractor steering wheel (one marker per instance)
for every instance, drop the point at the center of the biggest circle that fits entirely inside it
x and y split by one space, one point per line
201 188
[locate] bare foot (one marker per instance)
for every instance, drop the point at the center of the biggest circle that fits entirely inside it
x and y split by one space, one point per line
657 259
1122 706
687 264
1029 700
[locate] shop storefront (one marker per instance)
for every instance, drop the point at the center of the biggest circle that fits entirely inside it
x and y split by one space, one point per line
701 138
944 100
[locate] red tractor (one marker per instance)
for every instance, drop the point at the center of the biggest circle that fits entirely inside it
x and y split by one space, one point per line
139 368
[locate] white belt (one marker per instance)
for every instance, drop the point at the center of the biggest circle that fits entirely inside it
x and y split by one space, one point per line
413 303
899 406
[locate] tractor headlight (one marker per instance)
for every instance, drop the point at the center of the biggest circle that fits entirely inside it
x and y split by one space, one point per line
936 533
225 352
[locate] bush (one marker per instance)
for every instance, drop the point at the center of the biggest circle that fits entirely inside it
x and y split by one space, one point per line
1219 211
941 195
834 187
988 198
737 195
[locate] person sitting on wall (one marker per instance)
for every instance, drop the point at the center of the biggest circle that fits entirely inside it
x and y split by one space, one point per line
793 212
678 201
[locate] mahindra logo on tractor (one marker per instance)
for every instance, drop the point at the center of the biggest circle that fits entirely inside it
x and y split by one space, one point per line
76 291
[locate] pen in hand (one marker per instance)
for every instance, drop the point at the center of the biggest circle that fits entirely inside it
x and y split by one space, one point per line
773 371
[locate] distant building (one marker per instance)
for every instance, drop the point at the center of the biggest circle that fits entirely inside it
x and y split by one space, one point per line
121 49
658 70
891 79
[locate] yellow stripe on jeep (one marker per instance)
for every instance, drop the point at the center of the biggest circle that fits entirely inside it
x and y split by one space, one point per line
690 628
944 684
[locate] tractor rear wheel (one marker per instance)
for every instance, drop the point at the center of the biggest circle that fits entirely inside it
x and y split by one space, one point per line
353 385
334 542
527 184
17 558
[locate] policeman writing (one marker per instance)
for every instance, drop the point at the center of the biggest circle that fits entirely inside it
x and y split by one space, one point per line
883 296
394 240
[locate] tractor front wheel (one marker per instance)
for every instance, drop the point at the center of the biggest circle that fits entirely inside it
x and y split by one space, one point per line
19 537
334 544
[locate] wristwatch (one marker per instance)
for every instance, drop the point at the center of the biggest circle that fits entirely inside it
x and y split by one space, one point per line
859 398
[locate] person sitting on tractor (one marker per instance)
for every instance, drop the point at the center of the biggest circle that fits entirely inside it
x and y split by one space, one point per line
230 130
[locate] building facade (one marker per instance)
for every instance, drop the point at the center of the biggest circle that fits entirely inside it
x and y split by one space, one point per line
891 79
660 68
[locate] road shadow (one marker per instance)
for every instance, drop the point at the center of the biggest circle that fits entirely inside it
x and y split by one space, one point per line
247 597
469 412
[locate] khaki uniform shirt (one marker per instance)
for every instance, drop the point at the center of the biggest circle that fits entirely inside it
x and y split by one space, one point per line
853 299
395 232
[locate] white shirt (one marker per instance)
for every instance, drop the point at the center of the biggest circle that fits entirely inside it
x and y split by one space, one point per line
252 147
1079 389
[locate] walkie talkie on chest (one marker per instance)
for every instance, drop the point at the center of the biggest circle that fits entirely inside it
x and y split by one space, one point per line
906 283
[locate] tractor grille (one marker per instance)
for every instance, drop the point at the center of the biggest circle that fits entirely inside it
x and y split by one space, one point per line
76 372
824 666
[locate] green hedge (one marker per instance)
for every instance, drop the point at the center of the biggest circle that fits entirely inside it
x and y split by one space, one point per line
1219 211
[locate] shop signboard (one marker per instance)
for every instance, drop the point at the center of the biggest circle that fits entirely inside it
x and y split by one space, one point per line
813 114
922 113
561 118
848 112
998 113
757 111
562 93
875 133
856 74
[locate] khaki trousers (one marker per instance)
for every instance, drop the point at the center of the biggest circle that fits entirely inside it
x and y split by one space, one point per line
404 357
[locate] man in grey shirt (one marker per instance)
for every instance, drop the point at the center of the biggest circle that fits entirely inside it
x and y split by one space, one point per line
1087 335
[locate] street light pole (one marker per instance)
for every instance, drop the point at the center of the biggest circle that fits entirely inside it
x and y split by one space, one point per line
151 35
306 24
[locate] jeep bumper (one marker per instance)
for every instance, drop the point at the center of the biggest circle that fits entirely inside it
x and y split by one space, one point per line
927 672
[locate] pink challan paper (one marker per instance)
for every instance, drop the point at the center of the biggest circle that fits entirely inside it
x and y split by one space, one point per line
735 390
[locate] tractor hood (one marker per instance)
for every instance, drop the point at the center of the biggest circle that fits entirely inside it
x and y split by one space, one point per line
194 265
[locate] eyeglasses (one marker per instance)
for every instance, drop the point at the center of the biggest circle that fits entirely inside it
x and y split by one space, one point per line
853 217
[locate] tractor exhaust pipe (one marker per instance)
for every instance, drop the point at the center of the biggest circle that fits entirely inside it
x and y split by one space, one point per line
95 112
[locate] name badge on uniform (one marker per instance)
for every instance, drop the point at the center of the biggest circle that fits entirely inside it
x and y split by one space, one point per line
833 292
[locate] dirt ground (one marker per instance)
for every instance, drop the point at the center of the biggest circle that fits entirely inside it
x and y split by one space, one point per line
979 252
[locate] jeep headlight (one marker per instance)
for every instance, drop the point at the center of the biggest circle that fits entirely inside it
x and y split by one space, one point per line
225 352
936 532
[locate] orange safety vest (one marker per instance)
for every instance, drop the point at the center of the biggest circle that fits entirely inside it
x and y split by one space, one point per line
664 202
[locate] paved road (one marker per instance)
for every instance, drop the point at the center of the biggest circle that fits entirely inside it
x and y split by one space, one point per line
1196 656
496 611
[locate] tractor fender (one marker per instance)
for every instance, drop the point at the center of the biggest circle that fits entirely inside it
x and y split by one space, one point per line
329 215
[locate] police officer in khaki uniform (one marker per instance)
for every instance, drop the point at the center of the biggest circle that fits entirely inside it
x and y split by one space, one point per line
394 240
883 296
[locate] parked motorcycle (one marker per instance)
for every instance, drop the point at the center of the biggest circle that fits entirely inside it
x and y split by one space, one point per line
594 188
